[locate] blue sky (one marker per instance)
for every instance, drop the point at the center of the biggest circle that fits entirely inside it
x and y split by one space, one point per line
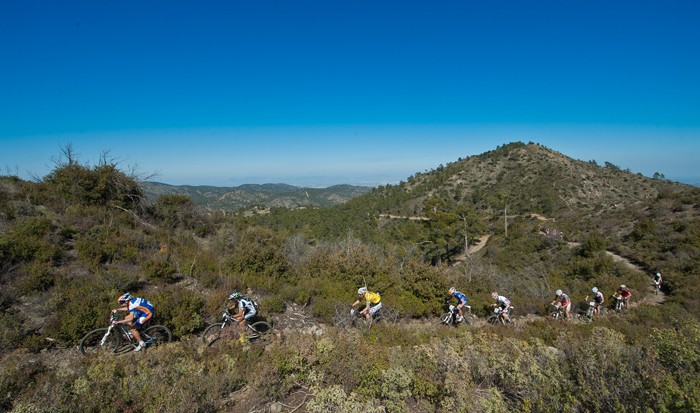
317 93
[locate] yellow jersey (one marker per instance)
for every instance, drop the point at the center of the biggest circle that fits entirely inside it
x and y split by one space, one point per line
372 298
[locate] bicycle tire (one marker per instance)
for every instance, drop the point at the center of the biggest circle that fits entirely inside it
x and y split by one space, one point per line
446 319
492 319
90 343
260 328
211 334
158 334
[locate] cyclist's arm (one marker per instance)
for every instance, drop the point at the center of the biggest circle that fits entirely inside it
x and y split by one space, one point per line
126 320
124 307
356 303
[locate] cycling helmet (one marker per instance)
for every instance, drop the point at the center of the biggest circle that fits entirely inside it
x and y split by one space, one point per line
623 286
234 295
494 295
362 291
124 298
559 292
658 274
452 290
594 290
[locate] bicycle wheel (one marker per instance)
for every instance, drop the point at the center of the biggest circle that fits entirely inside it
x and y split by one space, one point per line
92 342
492 319
212 334
158 335
446 319
260 328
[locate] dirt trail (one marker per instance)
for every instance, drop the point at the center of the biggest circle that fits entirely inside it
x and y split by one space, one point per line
390 216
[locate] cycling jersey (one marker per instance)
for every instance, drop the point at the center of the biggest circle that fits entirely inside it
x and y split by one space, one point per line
142 310
371 298
564 299
625 293
598 297
248 307
460 297
502 301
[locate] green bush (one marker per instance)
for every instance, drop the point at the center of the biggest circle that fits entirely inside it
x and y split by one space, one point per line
180 309
36 276
160 269
85 306
31 238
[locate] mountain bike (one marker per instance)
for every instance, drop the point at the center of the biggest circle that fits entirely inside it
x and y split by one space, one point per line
557 312
353 318
450 317
657 287
497 317
216 331
590 312
119 337
619 303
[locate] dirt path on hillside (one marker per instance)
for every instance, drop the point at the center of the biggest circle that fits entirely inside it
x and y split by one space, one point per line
649 298
476 245
411 218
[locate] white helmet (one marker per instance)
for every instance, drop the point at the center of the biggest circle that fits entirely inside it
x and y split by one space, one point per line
623 286
362 291
559 292
124 298
594 290
452 290
658 274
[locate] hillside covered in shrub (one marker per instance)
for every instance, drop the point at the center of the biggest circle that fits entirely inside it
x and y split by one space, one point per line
73 241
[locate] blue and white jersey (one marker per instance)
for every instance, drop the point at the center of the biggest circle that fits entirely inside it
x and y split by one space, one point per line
140 307
460 297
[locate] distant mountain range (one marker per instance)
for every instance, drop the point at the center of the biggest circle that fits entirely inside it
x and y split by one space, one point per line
268 195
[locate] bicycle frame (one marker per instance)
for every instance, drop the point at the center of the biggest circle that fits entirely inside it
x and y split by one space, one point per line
121 328
255 329
450 318
227 319
557 312
499 317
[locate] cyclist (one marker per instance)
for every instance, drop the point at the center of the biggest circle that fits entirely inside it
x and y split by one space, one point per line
461 302
657 280
503 303
563 302
243 309
623 293
598 298
372 300
140 311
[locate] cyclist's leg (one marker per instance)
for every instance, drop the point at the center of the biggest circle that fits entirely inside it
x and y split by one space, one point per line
243 323
140 320
373 309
